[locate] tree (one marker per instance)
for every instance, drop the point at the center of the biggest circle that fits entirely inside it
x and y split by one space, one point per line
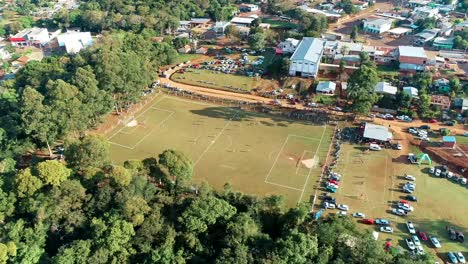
178 165
424 104
349 7
233 33
361 88
89 151
26 183
52 172
297 247
76 252
257 41
455 86
354 33
403 100
180 42
120 175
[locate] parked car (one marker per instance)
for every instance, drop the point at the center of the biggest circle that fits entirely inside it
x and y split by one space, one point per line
381 221
399 212
329 199
463 180
334 182
343 207
416 240
406 190
359 215
438 172
410 177
331 189
422 235
420 250
405 207
411 198
410 227
373 146
386 229
368 221
425 127
451 256
328 205
431 170
410 244
460 257
432 121
435 241
342 213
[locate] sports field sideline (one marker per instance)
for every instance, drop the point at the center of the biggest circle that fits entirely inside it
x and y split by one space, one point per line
256 153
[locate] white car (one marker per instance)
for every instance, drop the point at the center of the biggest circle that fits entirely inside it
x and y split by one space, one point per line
386 229
399 212
410 227
405 207
342 213
332 185
410 244
431 170
359 215
416 240
438 172
399 146
460 257
449 175
463 180
411 185
420 250
343 207
328 205
410 177
435 241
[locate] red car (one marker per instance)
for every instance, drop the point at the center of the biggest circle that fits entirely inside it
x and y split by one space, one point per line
432 121
334 182
368 221
404 202
422 235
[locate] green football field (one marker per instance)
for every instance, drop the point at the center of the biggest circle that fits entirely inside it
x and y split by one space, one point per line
256 153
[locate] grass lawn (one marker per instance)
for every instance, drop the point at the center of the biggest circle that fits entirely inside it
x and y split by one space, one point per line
462 140
371 184
185 57
256 153
216 80
278 24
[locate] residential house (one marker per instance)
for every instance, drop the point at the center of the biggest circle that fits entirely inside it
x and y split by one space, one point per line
425 12
361 5
287 46
242 21
350 60
381 55
377 25
220 27
326 87
185 49
248 8
412 58
74 41
332 16
461 26
20 62
200 22
446 28
4 54
305 60
30 37
442 85
201 50
443 43
412 91
399 32
418 3
442 101
425 36
385 88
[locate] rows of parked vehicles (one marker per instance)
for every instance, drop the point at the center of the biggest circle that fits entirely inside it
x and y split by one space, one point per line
421 132
443 172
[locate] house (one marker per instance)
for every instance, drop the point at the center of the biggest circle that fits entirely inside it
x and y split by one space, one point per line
385 88
425 36
381 55
220 27
185 49
242 21
288 46
201 50
350 60
418 3
332 48
461 103
412 91
4 54
200 22
461 26
20 62
264 25
248 8
361 5
399 31
443 43
376 132
449 141
29 37
305 61
326 87
377 25
441 100
425 12
412 58
442 85
332 16
74 41
445 27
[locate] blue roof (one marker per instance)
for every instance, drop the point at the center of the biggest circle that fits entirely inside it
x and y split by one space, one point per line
309 49
449 139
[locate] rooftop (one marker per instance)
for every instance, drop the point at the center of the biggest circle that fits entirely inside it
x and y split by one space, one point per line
384 87
326 86
379 21
377 132
443 41
449 139
309 49
410 51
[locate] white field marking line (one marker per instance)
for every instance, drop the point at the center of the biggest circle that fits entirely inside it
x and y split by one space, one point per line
299 163
284 186
118 131
293 135
120 145
134 128
302 158
310 171
215 139
277 156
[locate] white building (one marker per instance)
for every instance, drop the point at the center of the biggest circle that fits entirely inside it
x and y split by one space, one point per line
305 61
412 91
30 36
385 88
288 46
326 87
377 25
242 21
74 41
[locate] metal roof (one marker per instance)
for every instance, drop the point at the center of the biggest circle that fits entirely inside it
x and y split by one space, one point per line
384 87
410 51
449 139
326 86
242 20
310 49
378 21
377 132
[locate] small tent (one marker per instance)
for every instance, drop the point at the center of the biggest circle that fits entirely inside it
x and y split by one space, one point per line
424 157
